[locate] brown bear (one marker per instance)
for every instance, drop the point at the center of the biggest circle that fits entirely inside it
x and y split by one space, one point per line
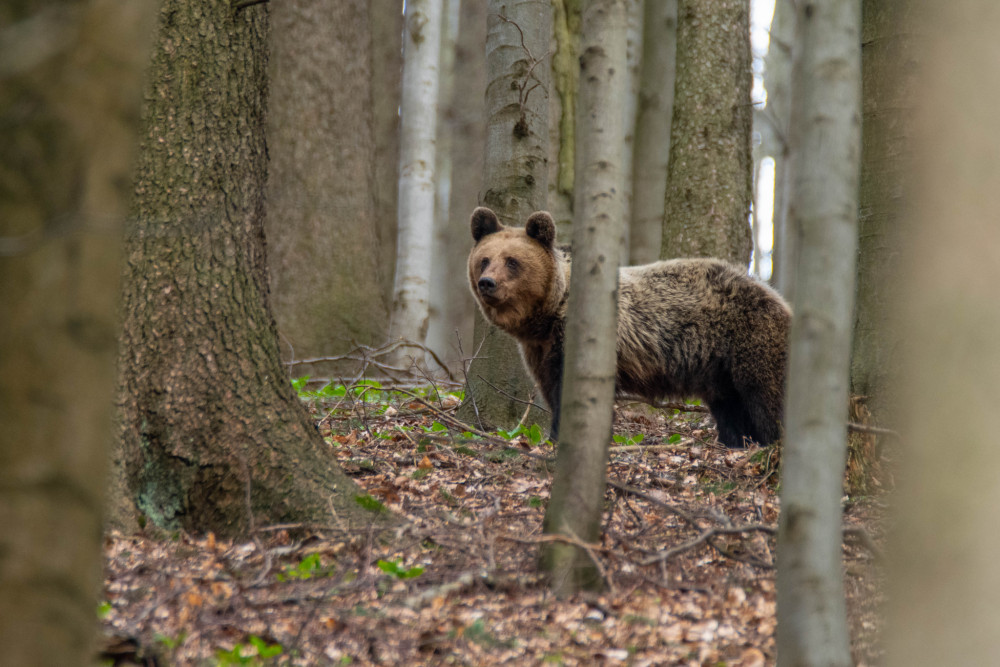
686 327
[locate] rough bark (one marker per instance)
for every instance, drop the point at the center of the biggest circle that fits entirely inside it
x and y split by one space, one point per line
213 438
515 179
826 142
709 177
944 581
778 78
652 146
890 56
323 253
452 317
68 132
417 149
386 28
588 384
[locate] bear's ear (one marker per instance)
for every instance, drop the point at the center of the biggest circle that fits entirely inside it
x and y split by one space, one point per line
542 228
484 223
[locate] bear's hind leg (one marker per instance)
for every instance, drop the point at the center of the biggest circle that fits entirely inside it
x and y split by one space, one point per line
732 421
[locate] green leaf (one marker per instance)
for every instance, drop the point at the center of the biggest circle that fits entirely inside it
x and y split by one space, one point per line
299 383
535 434
103 609
369 503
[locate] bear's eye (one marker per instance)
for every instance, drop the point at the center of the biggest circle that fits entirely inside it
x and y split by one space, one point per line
513 264
483 264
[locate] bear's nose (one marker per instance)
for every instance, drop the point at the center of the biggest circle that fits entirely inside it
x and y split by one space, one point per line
487 285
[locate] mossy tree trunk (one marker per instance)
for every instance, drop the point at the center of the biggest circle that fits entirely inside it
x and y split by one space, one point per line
207 416
68 128
588 387
710 171
324 254
515 181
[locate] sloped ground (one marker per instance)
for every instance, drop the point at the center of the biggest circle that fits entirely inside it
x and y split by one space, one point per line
687 556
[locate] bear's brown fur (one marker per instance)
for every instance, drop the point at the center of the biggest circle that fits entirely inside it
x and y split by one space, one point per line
686 327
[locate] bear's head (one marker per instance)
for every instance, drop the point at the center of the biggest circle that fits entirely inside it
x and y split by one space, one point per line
517 275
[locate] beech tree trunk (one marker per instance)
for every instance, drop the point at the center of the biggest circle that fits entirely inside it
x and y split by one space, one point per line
588 387
710 176
514 186
324 254
652 145
826 147
417 154
386 31
452 316
68 132
565 72
778 79
891 57
944 581
207 415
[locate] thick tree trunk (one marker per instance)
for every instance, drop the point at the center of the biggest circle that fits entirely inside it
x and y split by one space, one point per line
710 180
589 367
68 132
826 144
323 254
417 148
652 146
213 436
890 58
515 181
943 554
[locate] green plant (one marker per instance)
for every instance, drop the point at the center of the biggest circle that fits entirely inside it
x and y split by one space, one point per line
629 440
674 439
103 609
308 567
397 570
371 504
170 643
263 651
532 433
535 501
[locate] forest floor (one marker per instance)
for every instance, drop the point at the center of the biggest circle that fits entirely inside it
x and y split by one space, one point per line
687 556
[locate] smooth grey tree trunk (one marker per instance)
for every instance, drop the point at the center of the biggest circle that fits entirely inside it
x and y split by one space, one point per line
652 145
891 56
565 68
710 172
515 182
826 142
778 79
68 132
463 125
418 110
324 254
944 580
589 368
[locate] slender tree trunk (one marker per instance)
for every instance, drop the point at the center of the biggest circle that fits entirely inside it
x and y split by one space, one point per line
709 182
417 149
652 144
589 368
68 132
826 140
778 79
386 31
464 128
944 581
321 189
213 437
514 186
629 109
890 58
